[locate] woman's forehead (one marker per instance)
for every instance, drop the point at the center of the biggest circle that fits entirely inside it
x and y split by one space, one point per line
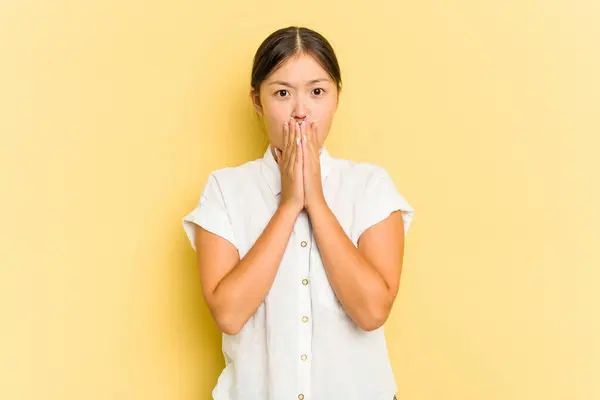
300 69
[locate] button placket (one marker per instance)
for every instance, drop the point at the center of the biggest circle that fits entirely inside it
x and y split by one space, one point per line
303 235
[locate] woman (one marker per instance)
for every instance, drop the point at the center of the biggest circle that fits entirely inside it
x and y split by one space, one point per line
300 252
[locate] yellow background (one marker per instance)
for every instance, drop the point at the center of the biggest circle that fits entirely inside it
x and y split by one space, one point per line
113 113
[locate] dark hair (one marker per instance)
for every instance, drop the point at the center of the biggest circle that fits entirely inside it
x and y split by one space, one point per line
287 42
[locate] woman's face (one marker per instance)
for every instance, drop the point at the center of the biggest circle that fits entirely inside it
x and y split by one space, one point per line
300 89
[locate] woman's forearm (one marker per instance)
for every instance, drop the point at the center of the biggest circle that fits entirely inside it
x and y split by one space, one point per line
360 288
244 288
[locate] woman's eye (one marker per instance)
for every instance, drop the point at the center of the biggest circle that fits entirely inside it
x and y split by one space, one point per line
318 91
282 92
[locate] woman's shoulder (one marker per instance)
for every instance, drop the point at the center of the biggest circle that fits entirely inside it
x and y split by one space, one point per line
361 171
233 174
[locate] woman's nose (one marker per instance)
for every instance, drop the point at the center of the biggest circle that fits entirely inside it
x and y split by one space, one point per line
300 115
299 119
300 111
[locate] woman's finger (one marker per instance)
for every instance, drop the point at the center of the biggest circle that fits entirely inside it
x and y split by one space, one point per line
286 133
293 146
303 129
309 139
299 153
314 138
305 141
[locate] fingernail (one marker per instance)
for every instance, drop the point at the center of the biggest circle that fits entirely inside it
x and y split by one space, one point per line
298 141
304 136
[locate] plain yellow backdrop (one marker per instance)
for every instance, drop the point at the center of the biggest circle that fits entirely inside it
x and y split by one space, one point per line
113 113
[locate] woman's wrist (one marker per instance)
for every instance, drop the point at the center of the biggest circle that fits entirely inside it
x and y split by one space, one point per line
289 209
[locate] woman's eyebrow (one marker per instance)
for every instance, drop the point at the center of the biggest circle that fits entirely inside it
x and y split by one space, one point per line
311 82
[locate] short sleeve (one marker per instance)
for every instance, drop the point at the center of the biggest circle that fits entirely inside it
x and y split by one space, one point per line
210 213
379 200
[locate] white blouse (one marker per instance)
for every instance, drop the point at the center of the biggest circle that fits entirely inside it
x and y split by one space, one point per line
300 343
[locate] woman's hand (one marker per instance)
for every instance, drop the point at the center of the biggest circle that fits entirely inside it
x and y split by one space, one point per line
311 165
290 166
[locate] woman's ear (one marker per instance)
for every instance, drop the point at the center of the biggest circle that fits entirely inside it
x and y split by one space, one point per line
255 97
